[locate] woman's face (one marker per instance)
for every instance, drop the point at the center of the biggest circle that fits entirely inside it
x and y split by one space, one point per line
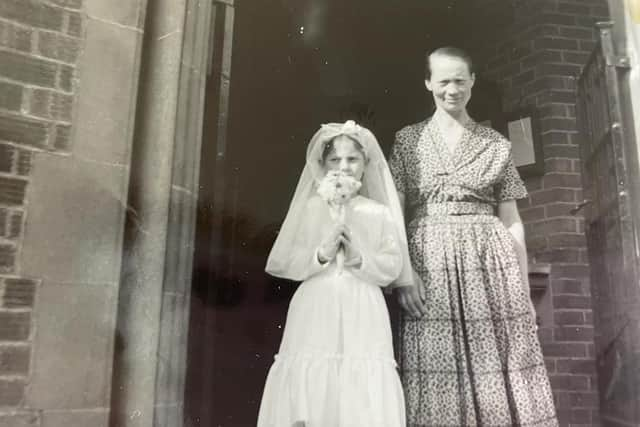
345 157
450 83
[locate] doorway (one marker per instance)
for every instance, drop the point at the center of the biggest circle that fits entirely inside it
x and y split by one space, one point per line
296 64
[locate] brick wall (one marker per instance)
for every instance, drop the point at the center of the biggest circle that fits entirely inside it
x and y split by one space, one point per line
39 46
537 61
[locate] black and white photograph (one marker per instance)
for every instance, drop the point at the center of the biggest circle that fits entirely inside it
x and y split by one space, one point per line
319 213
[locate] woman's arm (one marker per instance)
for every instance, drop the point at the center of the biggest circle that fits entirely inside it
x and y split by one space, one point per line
510 217
411 298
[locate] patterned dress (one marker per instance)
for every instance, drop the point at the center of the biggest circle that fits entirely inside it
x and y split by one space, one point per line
474 359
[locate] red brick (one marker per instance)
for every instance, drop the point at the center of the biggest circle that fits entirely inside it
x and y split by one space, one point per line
556 43
535 243
22 418
59 47
32 13
14 37
579 58
566 240
557 19
573 334
587 46
15 225
75 25
601 11
562 180
10 96
51 105
14 326
21 130
548 226
28 69
586 21
7 258
558 124
24 162
577 33
570 287
560 96
66 78
553 110
565 350
565 318
19 293
559 209
559 256
545 84
532 214
543 197
584 400
580 416
62 140
4 218
12 191
71 4
573 9
7 156
14 359
11 391
570 271
556 137
572 302
576 366
562 151
541 57
533 183
544 30
569 382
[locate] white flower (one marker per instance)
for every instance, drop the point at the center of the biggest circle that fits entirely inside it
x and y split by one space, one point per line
337 188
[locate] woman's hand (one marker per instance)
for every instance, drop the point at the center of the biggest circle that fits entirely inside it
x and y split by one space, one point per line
412 298
330 245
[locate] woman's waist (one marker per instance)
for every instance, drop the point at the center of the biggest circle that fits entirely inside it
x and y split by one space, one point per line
453 208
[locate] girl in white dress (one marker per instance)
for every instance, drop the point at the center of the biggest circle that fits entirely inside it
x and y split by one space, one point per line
335 366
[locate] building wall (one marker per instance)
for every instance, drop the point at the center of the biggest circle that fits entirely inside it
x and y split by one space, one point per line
68 84
537 62
39 48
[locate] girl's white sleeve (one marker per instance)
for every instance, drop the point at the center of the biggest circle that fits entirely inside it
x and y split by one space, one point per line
303 261
382 259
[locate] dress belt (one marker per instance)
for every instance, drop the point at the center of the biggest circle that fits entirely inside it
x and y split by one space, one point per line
454 208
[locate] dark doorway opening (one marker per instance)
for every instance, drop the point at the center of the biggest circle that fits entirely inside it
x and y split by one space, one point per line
297 64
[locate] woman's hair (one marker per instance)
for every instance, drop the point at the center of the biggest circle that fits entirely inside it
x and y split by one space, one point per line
450 51
329 145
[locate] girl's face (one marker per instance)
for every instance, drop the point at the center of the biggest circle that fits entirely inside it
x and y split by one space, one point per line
345 157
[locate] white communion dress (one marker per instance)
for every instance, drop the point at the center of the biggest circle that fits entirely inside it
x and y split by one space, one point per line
335 366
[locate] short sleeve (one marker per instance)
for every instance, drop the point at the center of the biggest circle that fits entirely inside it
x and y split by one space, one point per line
510 186
396 165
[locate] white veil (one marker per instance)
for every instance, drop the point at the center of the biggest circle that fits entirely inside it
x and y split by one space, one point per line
377 184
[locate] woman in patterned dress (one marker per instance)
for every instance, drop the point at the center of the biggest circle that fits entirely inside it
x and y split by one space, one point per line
470 355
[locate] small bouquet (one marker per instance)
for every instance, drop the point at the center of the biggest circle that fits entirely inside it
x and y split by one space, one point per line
337 188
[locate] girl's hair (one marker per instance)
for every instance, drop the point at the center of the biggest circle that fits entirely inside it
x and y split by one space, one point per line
450 51
329 146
